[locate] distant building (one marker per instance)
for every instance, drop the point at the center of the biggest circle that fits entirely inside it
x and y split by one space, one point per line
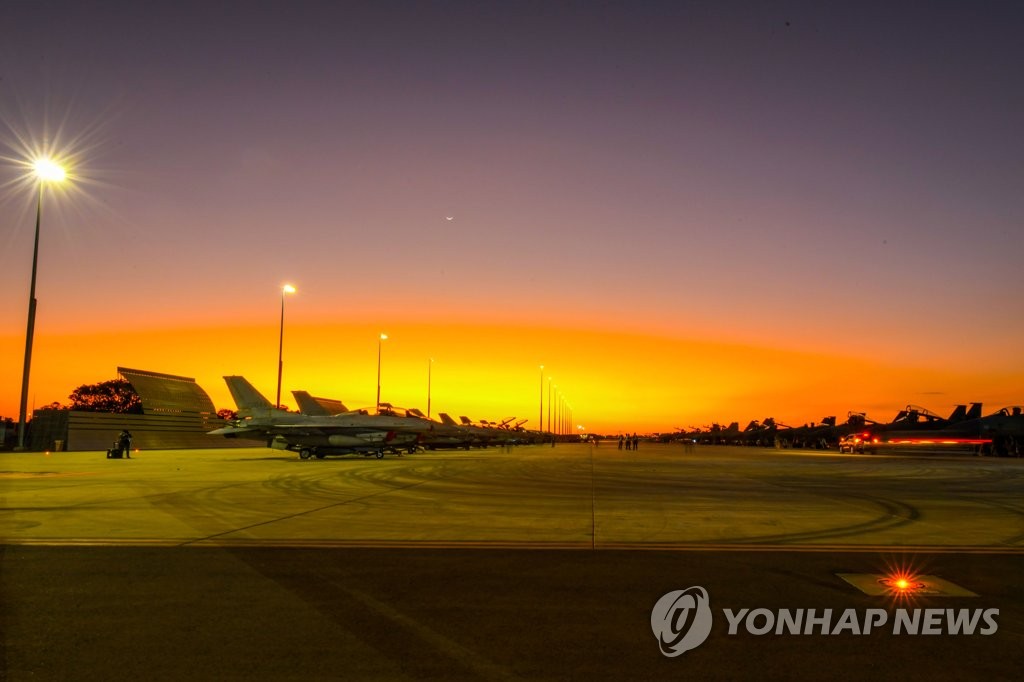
8 431
176 413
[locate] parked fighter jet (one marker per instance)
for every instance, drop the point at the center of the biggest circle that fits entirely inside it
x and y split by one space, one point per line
716 434
761 434
910 423
813 435
479 436
356 431
999 433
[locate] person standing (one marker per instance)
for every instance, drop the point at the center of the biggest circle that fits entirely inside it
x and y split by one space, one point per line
124 441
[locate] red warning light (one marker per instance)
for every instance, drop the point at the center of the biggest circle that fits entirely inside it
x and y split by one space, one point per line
902 584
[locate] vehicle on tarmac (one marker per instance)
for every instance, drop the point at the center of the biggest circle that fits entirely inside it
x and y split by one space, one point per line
854 443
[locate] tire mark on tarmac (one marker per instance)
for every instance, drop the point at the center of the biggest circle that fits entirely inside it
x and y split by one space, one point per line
1013 540
895 514
155 498
304 513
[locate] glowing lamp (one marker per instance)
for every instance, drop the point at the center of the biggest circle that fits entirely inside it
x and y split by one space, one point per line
902 584
48 170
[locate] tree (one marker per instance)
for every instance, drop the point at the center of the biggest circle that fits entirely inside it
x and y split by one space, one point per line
116 395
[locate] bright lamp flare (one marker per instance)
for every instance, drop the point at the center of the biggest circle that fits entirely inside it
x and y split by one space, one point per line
288 289
49 170
902 583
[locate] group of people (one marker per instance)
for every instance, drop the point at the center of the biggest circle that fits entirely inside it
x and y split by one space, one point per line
632 442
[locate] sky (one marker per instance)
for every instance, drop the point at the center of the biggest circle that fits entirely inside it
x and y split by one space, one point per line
686 212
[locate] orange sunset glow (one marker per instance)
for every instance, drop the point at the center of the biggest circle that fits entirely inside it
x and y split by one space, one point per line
614 382
675 236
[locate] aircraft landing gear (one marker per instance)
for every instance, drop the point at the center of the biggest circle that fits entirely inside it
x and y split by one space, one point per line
306 453
380 454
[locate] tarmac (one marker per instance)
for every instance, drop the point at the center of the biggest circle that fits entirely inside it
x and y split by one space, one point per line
529 563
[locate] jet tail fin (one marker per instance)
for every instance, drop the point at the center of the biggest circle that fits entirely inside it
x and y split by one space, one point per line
959 414
318 407
445 419
250 402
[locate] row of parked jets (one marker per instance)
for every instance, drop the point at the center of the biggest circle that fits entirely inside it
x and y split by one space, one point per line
1000 433
324 426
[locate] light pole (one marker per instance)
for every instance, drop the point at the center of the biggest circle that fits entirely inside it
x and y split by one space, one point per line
541 420
558 414
549 404
286 289
558 405
46 170
380 341
430 368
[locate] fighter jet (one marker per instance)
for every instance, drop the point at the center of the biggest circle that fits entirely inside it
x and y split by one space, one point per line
356 431
476 436
716 434
999 433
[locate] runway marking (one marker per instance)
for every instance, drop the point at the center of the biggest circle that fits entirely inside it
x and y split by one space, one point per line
593 504
44 474
582 545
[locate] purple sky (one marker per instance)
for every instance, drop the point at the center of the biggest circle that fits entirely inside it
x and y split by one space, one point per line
806 176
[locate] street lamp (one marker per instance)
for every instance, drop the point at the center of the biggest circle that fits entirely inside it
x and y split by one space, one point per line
380 341
430 368
286 289
541 420
46 170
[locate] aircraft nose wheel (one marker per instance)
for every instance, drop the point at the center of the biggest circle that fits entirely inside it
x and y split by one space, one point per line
305 453
380 454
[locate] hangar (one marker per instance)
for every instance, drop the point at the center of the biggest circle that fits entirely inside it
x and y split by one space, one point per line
176 413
